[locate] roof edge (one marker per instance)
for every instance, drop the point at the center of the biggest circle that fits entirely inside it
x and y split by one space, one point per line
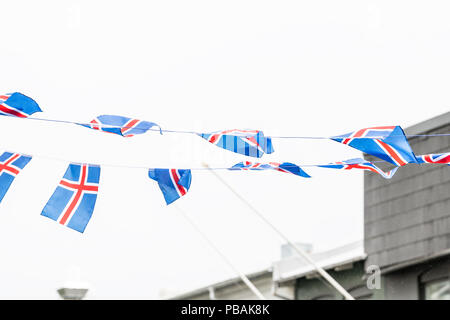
220 284
299 275
430 124
414 261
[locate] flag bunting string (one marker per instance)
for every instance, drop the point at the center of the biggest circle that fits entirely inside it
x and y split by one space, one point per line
199 133
73 201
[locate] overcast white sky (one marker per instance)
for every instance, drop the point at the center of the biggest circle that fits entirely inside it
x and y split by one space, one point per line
284 67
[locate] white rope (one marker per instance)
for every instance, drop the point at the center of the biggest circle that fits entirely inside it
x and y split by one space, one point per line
185 168
243 277
299 251
199 133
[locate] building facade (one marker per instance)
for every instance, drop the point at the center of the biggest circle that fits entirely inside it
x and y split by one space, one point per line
406 238
407 221
345 264
293 278
234 288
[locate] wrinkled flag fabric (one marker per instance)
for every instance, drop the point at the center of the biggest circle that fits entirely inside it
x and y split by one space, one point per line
17 105
388 143
174 183
286 167
122 126
250 143
442 158
362 164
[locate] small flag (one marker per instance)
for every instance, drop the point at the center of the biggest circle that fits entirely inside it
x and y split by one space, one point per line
387 143
250 143
282 167
443 158
17 105
73 201
360 164
122 126
10 166
174 183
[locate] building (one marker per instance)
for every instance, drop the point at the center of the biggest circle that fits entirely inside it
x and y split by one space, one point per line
233 288
293 278
406 237
407 221
345 264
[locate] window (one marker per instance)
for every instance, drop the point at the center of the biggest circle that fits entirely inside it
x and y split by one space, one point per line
437 290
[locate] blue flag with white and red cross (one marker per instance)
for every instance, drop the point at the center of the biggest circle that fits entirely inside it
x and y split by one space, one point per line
122 126
250 143
282 167
362 164
10 166
17 105
442 158
73 201
388 143
174 183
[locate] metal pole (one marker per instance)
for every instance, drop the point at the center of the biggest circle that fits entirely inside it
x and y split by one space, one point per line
299 251
243 277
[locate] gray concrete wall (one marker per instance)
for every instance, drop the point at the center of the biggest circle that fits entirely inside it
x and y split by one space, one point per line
408 217
406 283
402 285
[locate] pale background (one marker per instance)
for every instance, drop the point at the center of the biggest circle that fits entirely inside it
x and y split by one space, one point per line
285 67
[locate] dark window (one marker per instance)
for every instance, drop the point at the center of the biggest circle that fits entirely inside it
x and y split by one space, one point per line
435 280
437 290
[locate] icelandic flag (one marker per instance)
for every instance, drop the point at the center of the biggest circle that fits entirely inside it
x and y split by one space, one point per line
387 143
282 167
73 201
443 158
10 166
250 143
17 105
174 183
359 163
122 126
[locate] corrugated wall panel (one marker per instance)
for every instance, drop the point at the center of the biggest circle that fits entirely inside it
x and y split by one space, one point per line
408 217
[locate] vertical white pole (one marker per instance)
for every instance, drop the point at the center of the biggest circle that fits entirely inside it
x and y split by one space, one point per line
243 277
299 251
